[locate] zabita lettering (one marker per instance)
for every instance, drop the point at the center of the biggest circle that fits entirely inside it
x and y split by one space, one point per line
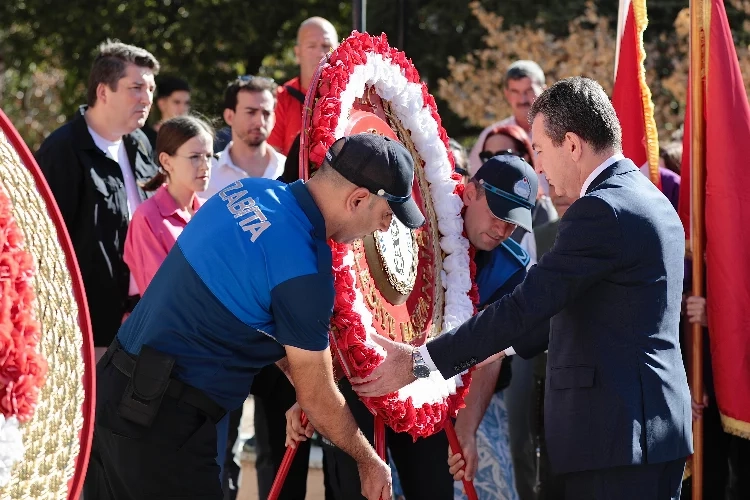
243 207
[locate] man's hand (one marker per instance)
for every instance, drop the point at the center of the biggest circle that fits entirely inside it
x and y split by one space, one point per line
326 408
699 407
456 462
375 478
695 310
391 375
491 359
295 432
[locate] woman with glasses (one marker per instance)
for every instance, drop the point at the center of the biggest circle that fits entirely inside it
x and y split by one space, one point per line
507 140
184 152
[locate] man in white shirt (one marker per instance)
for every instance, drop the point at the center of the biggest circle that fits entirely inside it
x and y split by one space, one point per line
524 81
249 111
95 165
249 103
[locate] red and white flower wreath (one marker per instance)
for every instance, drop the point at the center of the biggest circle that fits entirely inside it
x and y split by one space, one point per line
22 368
423 407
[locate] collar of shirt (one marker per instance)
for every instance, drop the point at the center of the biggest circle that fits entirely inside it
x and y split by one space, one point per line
225 160
168 206
273 170
598 170
307 203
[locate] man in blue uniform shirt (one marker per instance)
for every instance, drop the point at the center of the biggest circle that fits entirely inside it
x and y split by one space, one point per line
617 413
497 199
248 283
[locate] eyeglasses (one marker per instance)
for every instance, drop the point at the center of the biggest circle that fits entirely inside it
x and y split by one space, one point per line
486 155
200 160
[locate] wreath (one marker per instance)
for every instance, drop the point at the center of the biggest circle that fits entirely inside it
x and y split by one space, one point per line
361 64
22 368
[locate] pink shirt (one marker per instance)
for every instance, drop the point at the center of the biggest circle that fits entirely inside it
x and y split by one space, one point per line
155 226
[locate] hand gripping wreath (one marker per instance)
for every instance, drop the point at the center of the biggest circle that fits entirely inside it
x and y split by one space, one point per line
46 356
411 285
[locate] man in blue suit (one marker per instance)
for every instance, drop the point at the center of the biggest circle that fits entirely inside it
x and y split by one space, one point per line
617 405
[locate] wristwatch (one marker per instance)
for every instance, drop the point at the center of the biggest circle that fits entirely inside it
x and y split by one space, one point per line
419 367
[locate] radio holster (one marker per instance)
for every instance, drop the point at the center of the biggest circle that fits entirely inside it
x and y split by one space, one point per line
148 383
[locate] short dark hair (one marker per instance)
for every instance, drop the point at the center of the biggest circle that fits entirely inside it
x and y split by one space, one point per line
172 134
247 83
167 85
111 62
579 105
525 69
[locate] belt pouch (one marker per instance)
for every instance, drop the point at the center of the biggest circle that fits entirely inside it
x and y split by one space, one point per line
147 386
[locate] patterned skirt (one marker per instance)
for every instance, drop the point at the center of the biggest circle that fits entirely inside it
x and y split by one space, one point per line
494 478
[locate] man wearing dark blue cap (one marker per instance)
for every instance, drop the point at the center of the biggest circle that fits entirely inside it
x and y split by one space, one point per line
497 199
248 284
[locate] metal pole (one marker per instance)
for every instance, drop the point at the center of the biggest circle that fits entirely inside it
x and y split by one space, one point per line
359 15
697 231
401 38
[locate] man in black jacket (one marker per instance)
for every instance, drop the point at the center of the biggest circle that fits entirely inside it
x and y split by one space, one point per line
617 405
95 165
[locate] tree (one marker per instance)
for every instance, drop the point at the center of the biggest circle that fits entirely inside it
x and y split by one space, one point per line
587 47
48 48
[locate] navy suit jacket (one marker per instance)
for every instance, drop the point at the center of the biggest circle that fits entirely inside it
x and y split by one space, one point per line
616 389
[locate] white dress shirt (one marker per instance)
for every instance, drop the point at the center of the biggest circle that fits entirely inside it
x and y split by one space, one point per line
598 170
425 353
224 171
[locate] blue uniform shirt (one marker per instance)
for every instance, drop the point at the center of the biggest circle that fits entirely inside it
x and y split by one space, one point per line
499 271
250 274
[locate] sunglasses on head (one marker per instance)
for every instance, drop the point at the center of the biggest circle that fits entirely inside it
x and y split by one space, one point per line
249 78
486 155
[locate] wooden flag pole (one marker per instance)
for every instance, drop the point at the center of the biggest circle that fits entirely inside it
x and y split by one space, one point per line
698 41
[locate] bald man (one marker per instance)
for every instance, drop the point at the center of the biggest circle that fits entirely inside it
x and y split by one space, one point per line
315 37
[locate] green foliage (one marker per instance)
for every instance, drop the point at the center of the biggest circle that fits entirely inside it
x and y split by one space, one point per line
46 46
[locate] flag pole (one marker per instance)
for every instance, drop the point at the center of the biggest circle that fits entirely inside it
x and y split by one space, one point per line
698 40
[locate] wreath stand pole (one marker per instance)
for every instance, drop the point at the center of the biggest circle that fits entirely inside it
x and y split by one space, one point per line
450 431
380 437
286 464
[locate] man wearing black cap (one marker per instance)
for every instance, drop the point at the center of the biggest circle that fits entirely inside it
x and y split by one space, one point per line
498 199
248 283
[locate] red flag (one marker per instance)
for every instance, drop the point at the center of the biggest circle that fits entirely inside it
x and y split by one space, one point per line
631 96
727 217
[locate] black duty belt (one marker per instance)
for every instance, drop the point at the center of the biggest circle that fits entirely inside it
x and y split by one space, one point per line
176 389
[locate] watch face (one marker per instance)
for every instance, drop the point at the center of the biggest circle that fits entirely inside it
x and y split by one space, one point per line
421 371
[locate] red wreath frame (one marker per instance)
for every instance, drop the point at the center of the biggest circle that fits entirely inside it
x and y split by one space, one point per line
319 123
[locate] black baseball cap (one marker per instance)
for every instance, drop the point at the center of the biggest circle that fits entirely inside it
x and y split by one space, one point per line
510 185
381 165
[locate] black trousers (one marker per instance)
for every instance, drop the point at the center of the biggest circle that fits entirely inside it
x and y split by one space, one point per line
231 471
661 481
422 465
274 395
174 458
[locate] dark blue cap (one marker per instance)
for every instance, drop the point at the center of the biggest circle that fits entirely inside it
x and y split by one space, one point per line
510 185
